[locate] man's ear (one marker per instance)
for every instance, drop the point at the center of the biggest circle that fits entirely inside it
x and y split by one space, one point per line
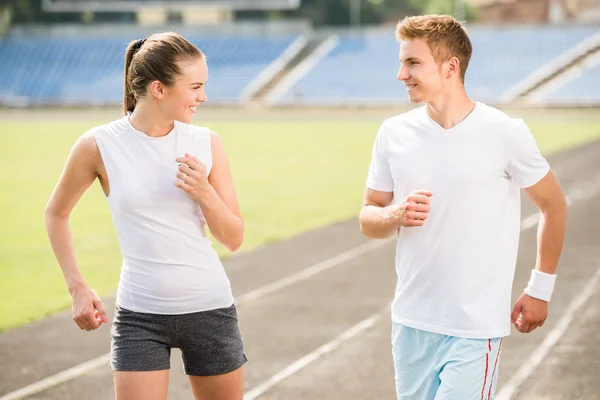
453 67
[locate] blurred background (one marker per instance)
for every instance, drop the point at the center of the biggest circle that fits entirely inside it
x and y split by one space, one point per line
297 90
284 53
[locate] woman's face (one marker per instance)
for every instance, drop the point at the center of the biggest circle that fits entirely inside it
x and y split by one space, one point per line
181 99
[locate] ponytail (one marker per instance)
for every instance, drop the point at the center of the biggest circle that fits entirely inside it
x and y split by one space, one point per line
129 99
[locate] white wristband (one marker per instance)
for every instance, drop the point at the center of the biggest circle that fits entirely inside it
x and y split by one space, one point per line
541 285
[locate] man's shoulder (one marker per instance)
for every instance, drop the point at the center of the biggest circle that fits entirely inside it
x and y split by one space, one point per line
406 119
496 117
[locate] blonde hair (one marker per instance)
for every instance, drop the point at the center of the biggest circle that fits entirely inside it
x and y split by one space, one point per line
445 36
154 58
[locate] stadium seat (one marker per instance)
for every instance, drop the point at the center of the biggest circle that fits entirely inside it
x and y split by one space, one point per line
362 68
583 89
40 70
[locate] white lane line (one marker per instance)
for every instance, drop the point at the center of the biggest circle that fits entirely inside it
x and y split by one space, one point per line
57 379
576 194
530 221
313 270
88 366
511 388
526 223
325 349
303 362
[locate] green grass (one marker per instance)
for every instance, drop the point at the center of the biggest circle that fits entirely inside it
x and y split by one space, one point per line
290 177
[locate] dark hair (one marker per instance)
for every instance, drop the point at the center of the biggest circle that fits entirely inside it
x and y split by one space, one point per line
154 58
445 35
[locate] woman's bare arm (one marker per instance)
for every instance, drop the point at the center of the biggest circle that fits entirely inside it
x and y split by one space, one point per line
78 174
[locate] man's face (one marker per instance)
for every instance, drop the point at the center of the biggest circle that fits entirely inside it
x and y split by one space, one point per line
419 71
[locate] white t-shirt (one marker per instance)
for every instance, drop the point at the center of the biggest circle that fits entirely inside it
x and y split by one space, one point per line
455 273
169 264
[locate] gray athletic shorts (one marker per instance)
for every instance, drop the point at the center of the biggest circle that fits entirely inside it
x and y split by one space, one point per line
210 341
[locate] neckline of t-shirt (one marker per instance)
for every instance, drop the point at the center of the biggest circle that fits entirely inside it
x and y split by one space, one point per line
456 127
145 136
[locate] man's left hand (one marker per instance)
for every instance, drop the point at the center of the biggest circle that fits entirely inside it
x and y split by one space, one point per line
529 313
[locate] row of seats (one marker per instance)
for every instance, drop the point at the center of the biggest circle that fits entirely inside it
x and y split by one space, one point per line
584 88
90 70
363 68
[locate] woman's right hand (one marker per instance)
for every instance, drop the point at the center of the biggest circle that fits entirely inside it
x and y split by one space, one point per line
88 311
83 167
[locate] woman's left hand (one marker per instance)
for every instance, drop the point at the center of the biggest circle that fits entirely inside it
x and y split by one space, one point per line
192 175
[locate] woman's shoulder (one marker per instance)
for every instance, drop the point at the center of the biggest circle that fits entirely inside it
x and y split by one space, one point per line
193 131
114 128
87 143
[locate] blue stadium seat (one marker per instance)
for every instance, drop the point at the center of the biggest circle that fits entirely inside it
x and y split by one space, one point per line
362 68
504 56
90 70
584 89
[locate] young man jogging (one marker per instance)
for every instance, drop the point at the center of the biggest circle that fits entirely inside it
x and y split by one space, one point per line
447 177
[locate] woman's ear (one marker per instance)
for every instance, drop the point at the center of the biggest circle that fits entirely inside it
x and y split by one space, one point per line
157 90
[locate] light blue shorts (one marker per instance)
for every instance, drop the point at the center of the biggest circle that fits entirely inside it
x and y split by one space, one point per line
430 366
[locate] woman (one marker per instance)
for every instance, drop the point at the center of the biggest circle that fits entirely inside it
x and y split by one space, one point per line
165 180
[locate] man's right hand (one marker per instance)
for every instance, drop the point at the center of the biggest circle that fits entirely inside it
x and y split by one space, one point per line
413 210
88 311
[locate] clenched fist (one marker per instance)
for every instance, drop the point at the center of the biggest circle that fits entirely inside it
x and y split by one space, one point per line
88 311
192 175
529 313
413 210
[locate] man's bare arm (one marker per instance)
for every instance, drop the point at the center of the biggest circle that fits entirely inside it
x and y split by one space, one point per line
379 218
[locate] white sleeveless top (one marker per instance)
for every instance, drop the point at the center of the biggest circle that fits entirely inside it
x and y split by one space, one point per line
169 265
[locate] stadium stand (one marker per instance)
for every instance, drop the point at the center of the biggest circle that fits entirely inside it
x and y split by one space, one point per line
71 70
584 89
363 67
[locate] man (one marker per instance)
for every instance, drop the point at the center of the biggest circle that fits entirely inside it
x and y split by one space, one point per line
447 177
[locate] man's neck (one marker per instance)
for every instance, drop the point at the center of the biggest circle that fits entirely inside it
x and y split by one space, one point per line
450 109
